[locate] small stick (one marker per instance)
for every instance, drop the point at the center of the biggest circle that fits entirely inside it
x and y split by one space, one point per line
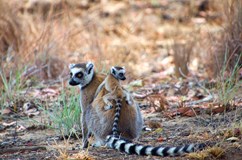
22 149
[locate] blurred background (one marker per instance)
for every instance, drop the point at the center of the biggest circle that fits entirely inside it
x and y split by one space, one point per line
153 38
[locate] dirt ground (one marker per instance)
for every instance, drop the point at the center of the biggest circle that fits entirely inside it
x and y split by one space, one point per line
177 131
179 111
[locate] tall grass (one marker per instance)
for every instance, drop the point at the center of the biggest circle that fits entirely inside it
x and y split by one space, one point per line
230 41
66 114
12 84
228 85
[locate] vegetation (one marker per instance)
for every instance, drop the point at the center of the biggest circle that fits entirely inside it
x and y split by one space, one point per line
66 116
183 58
229 85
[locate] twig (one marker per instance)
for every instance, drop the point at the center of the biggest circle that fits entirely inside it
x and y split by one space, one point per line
22 149
201 86
206 99
142 96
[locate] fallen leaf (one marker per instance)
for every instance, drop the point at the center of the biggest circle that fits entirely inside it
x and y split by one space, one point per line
233 139
218 110
6 111
33 114
170 114
158 130
154 124
137 83
30 109
160 139
237 132
191 93
21 128
9 124
27 106
190 113
183 110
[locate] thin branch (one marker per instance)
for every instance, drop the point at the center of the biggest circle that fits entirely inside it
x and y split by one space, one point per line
22 149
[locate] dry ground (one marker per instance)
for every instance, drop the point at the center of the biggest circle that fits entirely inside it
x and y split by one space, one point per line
150 38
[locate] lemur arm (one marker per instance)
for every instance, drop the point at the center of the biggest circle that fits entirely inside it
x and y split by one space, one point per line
107 100
99 88
129 99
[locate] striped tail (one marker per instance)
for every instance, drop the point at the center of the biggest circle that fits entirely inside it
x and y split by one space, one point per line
116 117
128 147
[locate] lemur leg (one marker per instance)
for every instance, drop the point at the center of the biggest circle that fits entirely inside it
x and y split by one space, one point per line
97 143
128 98
107 100
85 133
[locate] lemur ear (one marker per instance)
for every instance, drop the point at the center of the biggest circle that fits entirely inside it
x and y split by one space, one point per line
89 67
71 65
113 70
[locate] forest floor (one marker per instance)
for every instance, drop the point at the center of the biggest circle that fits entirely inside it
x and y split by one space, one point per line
25 137
179 111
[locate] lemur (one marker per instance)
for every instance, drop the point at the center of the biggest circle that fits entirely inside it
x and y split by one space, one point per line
83 75
95 118
115 92
112 85
99 122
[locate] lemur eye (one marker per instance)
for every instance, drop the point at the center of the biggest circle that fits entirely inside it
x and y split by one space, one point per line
79 75
71 75
120 74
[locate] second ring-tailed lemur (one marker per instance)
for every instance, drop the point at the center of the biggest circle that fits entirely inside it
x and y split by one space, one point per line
115 93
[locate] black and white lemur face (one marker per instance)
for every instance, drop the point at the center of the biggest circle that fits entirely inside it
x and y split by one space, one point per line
118 72
81 74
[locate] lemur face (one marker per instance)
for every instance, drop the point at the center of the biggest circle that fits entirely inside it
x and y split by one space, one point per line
81 73
118 72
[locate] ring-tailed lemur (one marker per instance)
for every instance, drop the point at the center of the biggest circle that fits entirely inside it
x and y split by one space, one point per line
116 93
100 119
99 122
95 118
83 75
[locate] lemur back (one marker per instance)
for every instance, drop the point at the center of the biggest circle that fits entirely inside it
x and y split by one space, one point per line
112 84
116 93
126 117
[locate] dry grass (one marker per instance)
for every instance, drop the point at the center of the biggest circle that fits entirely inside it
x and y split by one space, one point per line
108 33
65 154
210 153
182 55
10 29
228 46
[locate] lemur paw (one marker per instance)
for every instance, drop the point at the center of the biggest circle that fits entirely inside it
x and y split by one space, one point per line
108 107
84 145
129 102
96 144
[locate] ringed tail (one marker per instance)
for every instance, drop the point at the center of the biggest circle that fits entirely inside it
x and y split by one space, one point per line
116 117
128 147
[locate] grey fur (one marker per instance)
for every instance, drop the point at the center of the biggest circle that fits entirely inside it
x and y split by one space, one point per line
101 125
100 118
